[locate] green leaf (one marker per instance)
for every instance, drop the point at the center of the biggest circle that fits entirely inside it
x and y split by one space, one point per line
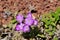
51 33
46 26
47 30
48 22
55 38
52 23
41 35
54 29
52 19
13 21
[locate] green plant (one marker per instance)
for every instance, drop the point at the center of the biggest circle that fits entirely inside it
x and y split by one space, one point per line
50 21
55 38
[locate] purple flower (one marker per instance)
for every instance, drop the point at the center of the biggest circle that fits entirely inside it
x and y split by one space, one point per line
29 21
19 27
19 18
26 28
29 15
35 22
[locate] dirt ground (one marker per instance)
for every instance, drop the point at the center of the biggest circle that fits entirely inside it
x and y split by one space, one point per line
37 7
24 6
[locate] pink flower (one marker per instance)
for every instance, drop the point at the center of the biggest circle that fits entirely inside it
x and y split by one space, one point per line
19 18
35 22
26 28
19 27
29 15
29 21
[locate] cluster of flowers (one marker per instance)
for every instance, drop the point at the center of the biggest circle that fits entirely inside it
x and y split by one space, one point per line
25 23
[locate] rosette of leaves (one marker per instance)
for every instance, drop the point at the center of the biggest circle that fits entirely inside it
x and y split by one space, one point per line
34 33
56 14
50 20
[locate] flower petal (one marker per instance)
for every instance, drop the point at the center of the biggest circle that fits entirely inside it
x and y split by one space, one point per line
19 27
35 22
26 28
28 21
19 18
29 15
